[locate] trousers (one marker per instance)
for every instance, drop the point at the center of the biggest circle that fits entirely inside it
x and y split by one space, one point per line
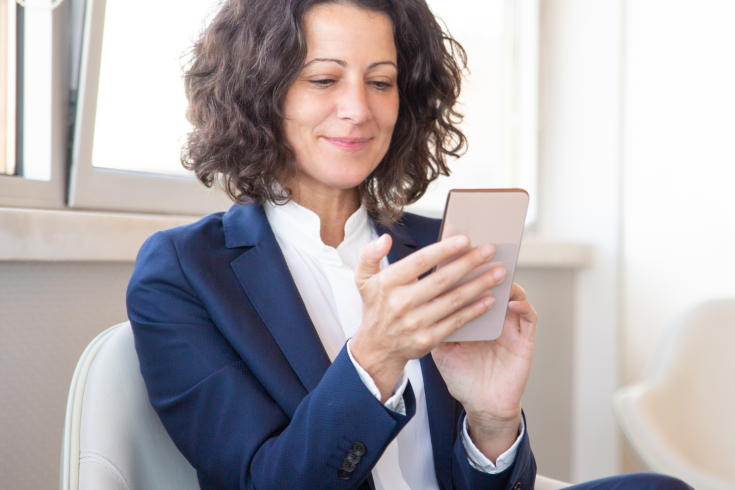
634 481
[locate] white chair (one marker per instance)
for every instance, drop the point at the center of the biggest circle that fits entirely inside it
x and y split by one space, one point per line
113 439
680 419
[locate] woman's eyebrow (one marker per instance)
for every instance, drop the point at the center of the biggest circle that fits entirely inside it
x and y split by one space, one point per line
343 63
378 63
320 60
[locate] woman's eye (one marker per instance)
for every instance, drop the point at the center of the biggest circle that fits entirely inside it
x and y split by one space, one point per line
322 82
382 85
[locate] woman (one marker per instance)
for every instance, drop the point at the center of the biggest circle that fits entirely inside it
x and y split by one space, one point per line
294 342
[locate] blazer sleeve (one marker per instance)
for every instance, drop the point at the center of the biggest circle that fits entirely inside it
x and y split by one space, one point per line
219 414
520 475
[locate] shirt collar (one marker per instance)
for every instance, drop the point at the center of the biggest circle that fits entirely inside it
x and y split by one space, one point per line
301 228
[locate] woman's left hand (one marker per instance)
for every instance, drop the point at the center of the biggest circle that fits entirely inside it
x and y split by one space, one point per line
488 378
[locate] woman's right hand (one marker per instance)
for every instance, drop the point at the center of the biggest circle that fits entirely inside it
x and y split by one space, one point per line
404 318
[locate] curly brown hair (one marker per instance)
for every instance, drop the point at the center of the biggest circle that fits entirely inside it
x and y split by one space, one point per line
253 50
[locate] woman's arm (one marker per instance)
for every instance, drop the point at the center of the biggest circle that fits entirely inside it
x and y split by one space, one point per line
221 415
405 317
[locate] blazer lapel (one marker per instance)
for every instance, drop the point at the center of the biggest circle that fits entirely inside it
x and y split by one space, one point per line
268 284
403 242
442 411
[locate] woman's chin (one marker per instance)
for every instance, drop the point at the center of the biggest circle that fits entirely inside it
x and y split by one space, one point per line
345 180
345 184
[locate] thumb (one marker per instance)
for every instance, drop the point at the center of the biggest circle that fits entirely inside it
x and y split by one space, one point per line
369 262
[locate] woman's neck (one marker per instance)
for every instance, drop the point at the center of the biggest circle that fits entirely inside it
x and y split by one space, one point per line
333 206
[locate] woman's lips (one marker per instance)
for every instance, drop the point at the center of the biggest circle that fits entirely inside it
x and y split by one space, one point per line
350 144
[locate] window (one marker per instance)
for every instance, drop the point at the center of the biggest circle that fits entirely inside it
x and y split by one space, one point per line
101 64
499 98
149 84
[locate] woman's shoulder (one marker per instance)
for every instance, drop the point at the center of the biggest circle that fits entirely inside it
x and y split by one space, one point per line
206 245
181 262
208 229
186 243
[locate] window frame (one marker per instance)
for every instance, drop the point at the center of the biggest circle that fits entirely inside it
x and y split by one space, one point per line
16 191
8 93
116 190
522 116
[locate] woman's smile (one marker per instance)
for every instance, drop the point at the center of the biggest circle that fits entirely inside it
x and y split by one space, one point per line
348 144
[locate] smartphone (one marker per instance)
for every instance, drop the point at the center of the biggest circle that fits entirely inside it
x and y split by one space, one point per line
495 216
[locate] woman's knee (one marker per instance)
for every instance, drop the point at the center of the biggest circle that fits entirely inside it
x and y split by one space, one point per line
658 481
635 481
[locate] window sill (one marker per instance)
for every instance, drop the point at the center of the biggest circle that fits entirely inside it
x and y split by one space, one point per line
60 236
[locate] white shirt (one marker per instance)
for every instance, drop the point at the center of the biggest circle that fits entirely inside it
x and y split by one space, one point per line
325 279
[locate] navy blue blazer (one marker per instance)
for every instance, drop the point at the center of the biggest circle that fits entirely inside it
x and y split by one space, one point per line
236 371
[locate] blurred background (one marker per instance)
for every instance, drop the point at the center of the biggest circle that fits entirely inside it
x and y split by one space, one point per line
618 116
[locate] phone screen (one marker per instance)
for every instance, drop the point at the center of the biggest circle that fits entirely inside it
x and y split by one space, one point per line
495 216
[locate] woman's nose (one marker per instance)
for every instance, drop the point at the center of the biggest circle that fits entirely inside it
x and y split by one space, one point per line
354 104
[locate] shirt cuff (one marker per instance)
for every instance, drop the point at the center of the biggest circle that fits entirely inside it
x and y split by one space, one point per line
395 403
480 462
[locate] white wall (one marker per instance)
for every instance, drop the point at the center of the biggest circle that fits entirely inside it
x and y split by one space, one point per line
49 312
679 174
637 156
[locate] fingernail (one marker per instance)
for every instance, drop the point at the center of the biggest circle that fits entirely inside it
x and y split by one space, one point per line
499 274
461 242
488 301
487 251
380 242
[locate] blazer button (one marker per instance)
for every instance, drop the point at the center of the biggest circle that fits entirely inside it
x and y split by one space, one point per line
359 448
352 457
517 486
348 465
343 475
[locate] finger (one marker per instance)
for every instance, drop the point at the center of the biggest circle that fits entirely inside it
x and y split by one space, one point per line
517 293
520 307
528 317
459 297
525 310
447 276
406 270
458 319
370 256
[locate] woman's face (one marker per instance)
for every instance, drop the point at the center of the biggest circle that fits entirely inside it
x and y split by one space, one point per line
341 110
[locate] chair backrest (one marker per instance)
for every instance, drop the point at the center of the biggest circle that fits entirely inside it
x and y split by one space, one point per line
681 418
113 439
